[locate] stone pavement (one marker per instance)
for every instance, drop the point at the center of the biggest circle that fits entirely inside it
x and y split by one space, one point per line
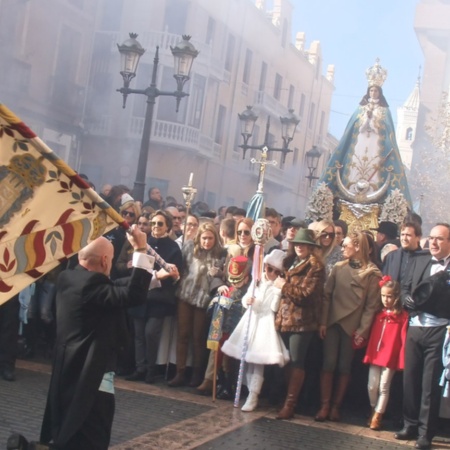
158 417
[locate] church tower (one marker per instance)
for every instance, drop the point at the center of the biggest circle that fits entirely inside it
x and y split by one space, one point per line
407 125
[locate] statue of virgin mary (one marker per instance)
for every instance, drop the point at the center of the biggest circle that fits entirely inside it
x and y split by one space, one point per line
366 165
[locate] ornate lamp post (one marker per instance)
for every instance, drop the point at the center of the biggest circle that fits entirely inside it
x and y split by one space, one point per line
131 51
312 161
288 125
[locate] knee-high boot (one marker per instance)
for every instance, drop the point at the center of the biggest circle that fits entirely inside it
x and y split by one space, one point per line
326 386
295 386
338 397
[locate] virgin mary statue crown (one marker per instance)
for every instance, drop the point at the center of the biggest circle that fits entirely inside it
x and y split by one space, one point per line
376 75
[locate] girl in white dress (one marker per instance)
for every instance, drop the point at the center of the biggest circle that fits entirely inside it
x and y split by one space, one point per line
264 343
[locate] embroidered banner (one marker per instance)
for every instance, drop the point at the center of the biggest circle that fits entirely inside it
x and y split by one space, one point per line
47 212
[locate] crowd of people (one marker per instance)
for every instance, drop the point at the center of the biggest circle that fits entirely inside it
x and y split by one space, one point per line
327 297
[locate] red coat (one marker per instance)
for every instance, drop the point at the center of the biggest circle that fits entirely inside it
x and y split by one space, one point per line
386 347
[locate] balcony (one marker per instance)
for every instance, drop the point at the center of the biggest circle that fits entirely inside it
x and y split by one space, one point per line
269 103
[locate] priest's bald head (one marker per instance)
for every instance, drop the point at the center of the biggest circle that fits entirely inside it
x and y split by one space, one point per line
97 256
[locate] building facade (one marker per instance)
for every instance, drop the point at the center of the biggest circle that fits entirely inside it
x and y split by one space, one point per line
62 80
431 154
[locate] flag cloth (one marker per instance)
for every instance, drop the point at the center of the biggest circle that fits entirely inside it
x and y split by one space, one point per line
47 212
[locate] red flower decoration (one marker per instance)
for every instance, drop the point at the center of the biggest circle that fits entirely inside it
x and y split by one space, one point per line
384 280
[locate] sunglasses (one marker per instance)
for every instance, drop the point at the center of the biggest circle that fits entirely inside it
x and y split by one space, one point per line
328 235
143 223
157 223
128 213
271 269
244 232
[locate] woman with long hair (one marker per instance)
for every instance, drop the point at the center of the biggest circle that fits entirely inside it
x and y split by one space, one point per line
351 300
325 234
202 272
299 313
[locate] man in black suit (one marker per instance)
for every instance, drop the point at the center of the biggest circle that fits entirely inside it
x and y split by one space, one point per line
424 341
89 314
396 264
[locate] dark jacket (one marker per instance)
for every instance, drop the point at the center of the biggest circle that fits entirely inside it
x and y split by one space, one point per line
89 309
162 301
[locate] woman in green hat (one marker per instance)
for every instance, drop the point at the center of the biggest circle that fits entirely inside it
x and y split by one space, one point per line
298 316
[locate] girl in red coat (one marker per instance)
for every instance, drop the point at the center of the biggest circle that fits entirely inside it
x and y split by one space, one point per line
386 348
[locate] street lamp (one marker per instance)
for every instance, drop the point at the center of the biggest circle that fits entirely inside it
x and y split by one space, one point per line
312 161
288 125
131 51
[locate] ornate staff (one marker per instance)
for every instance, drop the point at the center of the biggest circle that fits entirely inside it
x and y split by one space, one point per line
188 193
261 232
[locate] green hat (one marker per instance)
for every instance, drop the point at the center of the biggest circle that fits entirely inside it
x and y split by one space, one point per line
304 236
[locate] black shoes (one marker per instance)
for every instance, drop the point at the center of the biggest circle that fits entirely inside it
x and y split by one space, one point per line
17 442
8 374
136 376
406 434
423 443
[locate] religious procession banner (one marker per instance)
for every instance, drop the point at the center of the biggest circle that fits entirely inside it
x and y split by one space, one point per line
47 212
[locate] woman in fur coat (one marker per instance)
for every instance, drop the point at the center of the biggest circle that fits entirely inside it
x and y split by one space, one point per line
202 274
299 313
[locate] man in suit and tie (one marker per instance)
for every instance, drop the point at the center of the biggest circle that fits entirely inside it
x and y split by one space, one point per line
396 264
424 341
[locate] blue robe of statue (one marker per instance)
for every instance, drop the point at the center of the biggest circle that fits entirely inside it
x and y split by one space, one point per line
367 148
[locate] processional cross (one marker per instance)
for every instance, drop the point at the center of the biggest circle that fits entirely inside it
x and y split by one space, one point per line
262 167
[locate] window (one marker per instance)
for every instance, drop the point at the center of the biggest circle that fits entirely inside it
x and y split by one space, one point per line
111 15
230 53
312 113
291 96
220 126
247 66
175 16
322 122
263 76
167 105
210 30
277 87
301 109
196 100
409 134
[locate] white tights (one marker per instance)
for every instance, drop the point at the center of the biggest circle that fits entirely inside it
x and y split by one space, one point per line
380 379
254 377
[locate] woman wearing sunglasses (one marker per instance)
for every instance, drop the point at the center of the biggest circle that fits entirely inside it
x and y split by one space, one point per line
299 313
244 237
161 298
325 235
202 272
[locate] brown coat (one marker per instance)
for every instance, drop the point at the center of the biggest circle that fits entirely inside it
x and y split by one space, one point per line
301 297
352 298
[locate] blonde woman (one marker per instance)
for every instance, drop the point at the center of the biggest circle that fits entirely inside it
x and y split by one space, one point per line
325 236
202 272
351 300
